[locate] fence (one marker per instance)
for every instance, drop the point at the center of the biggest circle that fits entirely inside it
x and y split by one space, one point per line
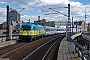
3 37
82 51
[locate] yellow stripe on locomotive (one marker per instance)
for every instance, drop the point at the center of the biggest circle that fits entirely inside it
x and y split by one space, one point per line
29 32
42 32
32 32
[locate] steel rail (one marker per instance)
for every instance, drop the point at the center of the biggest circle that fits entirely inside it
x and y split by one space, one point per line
49 50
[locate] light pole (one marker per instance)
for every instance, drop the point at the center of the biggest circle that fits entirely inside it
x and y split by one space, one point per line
69 22
72 25
7 28
85 20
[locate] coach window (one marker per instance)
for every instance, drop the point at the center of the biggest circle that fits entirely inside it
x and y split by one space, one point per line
47 29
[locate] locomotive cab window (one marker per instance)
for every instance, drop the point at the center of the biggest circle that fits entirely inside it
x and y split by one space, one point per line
26 27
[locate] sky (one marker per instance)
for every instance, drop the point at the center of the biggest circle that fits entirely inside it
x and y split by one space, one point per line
35 8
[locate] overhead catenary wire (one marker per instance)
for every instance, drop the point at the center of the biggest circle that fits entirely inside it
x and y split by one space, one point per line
43 5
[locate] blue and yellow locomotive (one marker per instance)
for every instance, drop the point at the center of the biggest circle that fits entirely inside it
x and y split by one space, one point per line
30 31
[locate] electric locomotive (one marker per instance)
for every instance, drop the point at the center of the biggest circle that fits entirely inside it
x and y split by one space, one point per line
30 31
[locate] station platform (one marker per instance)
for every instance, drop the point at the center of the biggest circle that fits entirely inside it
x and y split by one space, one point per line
64 52
6 43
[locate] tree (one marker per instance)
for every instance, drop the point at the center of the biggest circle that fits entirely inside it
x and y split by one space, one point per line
89 29
35 22
47 24
43 22
53 23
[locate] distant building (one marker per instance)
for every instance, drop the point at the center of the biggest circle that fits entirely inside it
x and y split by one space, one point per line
60 24
14 15
81 26
88 24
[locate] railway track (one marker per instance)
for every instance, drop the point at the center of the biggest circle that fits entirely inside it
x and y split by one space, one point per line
44 51
24 51
8 49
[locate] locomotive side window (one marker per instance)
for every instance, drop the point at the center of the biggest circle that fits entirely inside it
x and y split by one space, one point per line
26 27
34 28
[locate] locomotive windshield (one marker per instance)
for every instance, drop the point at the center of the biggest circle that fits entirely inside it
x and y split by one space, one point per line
26 27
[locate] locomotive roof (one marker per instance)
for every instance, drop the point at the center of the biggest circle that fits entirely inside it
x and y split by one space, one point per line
31 24
39 25
28 24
